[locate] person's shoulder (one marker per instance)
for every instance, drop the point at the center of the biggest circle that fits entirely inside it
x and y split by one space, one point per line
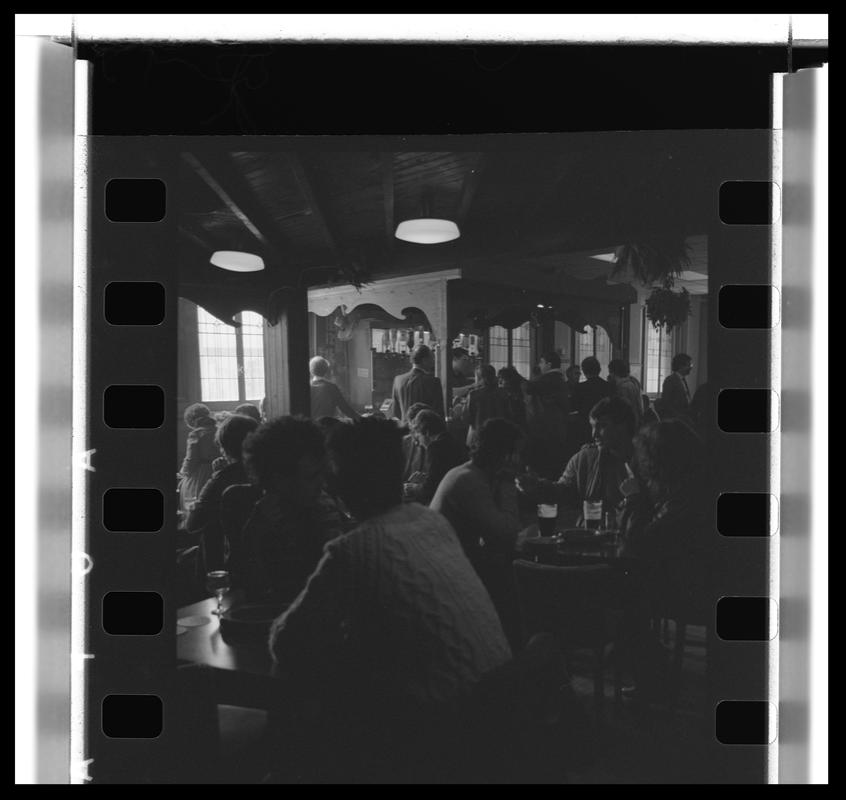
457 475
586 451
241 492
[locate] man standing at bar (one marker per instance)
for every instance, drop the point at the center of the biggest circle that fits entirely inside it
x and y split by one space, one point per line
675 393
418 386
549 410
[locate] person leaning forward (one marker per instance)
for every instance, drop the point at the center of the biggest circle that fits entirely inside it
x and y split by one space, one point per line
418 386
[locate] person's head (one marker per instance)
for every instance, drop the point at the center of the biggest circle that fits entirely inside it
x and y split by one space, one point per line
367 463
613 423
231 434
197 414
422 357
549 361
248 410
461 361
414 409
510 379
682 363
428 425
669 458
486 375
287 457
618 368
574 374
319 367
497 446
590 367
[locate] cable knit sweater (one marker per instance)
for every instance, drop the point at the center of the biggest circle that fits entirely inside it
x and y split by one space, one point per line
396 610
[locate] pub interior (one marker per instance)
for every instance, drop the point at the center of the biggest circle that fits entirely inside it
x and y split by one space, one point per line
442 475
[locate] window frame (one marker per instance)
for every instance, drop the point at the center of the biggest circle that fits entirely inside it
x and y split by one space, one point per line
240 366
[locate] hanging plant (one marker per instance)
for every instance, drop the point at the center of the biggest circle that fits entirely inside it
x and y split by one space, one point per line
653 260
668 309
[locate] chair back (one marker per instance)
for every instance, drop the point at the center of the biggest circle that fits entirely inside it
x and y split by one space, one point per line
515 720
571 603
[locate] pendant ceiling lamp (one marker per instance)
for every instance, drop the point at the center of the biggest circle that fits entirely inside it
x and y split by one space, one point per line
237 261
427 229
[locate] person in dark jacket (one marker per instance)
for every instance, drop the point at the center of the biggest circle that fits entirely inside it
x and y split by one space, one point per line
675 393
484 403
417 386
442 454
547 419
668 529
283 539
204 517
512 383
592 389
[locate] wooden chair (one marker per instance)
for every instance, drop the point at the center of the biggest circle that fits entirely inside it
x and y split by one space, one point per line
576 605
211 743
682 615
521 723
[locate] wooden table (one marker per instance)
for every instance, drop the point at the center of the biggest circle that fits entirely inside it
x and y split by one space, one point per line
570 553
243 672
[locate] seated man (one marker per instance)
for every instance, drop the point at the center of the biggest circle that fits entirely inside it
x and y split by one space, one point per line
599 471
394 623
442 454
480 502
283 539
668 534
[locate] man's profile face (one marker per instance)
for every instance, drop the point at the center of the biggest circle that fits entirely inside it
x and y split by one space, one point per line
685 368
544 365
607 433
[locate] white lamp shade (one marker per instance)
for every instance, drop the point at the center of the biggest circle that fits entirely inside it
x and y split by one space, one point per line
236 261
427 231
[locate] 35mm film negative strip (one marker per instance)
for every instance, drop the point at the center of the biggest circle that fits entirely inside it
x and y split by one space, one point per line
545 221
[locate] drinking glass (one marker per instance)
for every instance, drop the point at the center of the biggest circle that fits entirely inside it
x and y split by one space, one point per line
218 583
592 513
547 518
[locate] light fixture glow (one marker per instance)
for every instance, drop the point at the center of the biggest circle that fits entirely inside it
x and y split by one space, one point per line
237 261
427 230
609 257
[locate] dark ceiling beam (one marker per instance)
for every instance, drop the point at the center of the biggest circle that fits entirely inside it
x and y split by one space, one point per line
468 190
198 241
304 173
233 190
388 194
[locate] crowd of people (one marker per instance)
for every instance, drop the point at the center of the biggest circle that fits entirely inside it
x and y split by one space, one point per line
390 541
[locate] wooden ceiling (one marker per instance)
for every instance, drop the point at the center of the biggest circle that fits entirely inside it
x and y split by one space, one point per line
320 216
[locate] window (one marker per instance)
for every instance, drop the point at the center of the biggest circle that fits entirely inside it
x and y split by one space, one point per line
659 357
511 348
521 350
231 359
498 347
594 342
